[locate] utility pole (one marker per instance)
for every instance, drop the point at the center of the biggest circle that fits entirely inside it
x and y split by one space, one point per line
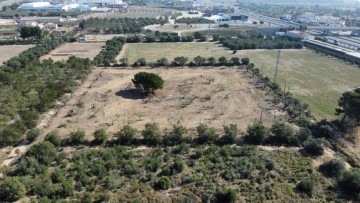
277 66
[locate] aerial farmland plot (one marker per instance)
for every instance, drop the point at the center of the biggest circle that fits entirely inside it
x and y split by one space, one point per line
216 97
316 79
81 50
9 51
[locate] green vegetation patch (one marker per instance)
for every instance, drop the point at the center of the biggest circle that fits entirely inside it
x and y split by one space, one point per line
121 173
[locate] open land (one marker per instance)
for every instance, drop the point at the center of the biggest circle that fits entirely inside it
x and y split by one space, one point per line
215 97
102 38
9 51
81 50
316 79
178 27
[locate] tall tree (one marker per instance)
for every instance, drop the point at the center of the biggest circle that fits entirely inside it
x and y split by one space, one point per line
148 82
349 104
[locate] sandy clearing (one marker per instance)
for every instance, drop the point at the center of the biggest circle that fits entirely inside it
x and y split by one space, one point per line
215 97
102 38
81 50
9 51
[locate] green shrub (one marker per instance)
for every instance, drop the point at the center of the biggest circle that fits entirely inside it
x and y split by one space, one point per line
43 152
303 134
282 134
178 166
350 183
332 168
230 133
306 186
33 134
177 135
11 189
100 136
226 195
77 138
163 183
257 133
54 138
166 171
206 135
30 118
126 135
314 147
151 134
86 198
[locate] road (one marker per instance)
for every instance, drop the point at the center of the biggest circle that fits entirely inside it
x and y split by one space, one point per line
156 28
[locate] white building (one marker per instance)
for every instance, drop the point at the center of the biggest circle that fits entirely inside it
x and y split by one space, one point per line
331 21
41 6
286 17
101 2
308 18
219 18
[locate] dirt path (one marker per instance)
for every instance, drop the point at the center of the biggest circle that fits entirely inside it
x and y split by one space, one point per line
122 53
47 118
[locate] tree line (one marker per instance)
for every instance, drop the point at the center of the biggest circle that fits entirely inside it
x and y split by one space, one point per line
108 55
118 25
258 43
189 20
29 86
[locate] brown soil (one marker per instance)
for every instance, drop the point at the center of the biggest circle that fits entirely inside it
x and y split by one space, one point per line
9 51
216 97
81 50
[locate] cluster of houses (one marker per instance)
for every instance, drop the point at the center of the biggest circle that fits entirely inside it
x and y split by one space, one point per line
316 20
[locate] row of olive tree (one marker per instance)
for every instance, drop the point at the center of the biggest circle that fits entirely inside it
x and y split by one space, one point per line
182 61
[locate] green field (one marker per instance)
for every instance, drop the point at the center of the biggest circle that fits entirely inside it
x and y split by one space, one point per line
314 78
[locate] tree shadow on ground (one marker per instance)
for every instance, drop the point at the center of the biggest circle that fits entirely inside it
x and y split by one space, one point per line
131 94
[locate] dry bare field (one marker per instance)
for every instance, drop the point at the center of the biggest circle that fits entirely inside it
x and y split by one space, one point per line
81 50
216 97
102 38
9 51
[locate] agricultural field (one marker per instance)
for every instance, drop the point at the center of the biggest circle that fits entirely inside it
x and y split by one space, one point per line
314 78
216 97
81 50
9 51
178 27
102 38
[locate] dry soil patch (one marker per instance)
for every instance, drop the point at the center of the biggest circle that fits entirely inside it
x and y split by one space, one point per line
81 50
216 97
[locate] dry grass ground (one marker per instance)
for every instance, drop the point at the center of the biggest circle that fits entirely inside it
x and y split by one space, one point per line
178 27
9 51
81 50
216 97
102 38
314 78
